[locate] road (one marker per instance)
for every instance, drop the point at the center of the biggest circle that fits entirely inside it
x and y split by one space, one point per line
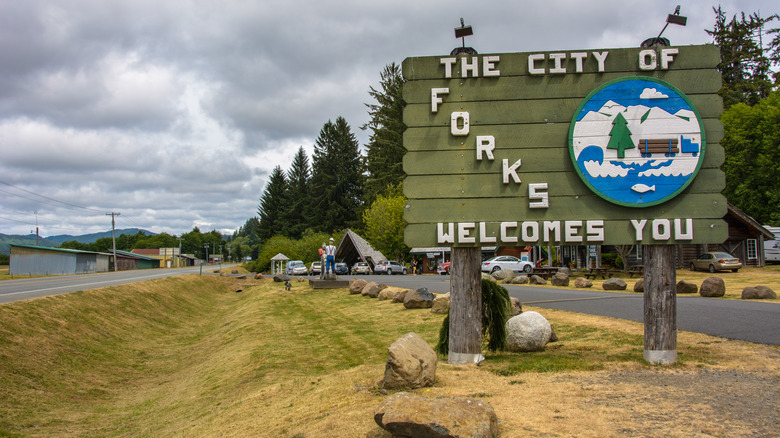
751 321
28 288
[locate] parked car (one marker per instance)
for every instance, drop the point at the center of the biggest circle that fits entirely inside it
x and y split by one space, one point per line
716 261
443 268
315 268
507 262
296 267
389 267
361 268
342 269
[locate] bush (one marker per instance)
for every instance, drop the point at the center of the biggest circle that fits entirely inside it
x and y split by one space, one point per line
613 260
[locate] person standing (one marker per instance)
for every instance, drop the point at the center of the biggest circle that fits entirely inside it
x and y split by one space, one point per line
322 261
330 255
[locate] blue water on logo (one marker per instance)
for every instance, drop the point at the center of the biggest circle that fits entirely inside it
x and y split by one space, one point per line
619 188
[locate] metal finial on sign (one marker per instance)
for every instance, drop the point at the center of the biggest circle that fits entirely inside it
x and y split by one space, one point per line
675 18
462 32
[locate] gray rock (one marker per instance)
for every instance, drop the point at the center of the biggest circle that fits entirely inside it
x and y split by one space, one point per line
582 282
565 270
503 274
639 286
418 299
712 287
400 296
758 293
517 307
560 279
281 278
372 289
520 279
409 415
528 331
356 286
535 279
441 304
614 284
411 363
684 287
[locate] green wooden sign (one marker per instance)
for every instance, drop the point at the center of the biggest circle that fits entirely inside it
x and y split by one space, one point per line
611 146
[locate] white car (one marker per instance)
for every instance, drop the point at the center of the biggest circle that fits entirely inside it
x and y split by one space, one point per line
296 267
507 262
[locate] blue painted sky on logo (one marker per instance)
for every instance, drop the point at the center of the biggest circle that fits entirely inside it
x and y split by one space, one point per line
627 94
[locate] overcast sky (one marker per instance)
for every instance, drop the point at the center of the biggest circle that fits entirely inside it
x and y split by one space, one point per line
174 112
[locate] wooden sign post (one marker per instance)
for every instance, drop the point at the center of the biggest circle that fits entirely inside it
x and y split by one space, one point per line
591 147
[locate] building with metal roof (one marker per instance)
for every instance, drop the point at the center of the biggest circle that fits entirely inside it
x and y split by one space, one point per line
41 260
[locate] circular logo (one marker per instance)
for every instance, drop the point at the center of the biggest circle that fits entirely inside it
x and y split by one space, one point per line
637 141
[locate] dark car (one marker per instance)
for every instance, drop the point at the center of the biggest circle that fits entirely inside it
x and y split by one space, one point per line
342 269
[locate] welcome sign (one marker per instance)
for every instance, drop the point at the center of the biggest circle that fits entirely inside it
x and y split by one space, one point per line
611 146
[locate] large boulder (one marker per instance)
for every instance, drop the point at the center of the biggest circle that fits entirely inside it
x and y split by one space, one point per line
685 287
528 331
517 306
441 304
356 286
614 284
281 278
712 287
389 292
503 274
400 296
535 279
520 279
409 415
258 276
560 279
418 299
411 363
372 289
758 293
639 286
582 282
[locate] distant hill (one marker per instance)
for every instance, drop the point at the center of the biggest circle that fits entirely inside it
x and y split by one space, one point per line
53 241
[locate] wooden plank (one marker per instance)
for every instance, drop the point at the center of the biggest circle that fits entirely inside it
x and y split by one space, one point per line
706 205
616 232
464 162
524 111
560 184
690 82
513 136
618 60
465 337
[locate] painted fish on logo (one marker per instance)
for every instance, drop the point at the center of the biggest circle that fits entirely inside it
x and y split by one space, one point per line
637 141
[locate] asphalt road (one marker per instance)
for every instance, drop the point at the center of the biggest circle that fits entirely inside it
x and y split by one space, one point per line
28 288
751 321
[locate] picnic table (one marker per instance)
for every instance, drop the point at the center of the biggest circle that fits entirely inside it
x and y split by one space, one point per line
638 270
544 272
599 272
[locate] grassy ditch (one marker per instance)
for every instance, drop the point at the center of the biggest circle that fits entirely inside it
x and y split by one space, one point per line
189 356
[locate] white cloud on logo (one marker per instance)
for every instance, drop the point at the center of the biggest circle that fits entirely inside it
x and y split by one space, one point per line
652 93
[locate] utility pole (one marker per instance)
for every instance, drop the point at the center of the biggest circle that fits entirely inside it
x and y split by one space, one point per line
36 227
113 234
178 260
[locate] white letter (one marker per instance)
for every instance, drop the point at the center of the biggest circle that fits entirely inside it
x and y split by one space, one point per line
487 66
533 227
448 63
601 58
558 67
505 237
643 63
543 200
658 233
638 227
667 57
457 116
578 58
552 226
571 231
466 67
485 143
595 230
446 237
531 64
678 232
464 229
483 237
510 170
435 99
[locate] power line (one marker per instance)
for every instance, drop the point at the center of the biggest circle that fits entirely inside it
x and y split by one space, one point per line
45 197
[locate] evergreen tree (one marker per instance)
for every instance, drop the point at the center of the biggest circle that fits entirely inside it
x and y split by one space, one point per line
744 65
337 178
296 215
272 205
620 136
385 150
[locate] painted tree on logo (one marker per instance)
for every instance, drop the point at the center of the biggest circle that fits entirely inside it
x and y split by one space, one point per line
620 136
